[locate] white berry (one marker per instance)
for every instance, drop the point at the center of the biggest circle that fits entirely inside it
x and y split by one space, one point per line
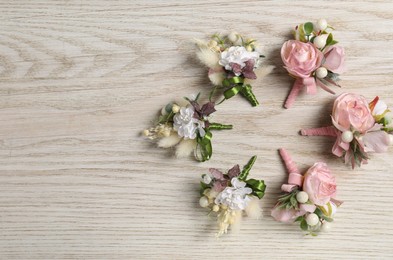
312 219
326 226
233 36
204 202
320 41
216 208
347 136
321 25
302 197
321 72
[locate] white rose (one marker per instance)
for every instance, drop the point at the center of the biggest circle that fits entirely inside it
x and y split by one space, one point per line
238 55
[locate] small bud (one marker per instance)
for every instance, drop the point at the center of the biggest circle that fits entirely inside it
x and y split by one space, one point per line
233 37
146 132
166 132
216 208
175 108
249 48
321 72
163 111
321 25
212 44
320 41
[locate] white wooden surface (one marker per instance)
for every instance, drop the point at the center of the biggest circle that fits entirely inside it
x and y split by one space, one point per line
80 79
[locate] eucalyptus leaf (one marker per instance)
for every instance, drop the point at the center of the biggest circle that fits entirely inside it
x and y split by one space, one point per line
299 218
304 225
329 39
308 28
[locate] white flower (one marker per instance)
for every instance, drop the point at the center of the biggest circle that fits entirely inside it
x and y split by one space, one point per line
238 55
186 125
206 179
235 197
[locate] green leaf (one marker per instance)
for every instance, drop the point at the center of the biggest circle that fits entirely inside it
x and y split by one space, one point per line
327 219
308 28
246 169
319 212
329 39
299 218
304 225
293 202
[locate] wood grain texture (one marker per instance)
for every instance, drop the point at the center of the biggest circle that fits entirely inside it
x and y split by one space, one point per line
79 80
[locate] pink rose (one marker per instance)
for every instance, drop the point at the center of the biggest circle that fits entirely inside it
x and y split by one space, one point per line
300 59
319 184
351 110
334 59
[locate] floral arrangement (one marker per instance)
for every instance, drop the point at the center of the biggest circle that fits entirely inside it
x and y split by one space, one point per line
313 59
234 62
232 194
185 125
359 128
307 199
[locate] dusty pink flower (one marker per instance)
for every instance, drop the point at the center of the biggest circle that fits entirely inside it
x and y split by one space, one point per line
334 59
351 110
319 184
300 59
285 215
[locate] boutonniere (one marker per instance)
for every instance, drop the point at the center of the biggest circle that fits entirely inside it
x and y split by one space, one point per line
313 59
359 127
234 63
232 194
307 199
186 126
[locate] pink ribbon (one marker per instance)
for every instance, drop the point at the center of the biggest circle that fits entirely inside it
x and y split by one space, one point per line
309 83
295 179
339 146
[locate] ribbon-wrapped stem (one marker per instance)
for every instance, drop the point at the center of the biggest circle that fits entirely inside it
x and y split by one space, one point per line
236 85
246 91
295 178
204 149
320 131
217 126
289 164
297 86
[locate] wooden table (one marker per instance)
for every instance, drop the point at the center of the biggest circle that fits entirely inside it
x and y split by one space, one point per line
81 79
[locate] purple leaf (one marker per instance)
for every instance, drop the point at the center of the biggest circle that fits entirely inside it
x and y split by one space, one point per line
218 175
208 108
235 171
249 74
236 68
